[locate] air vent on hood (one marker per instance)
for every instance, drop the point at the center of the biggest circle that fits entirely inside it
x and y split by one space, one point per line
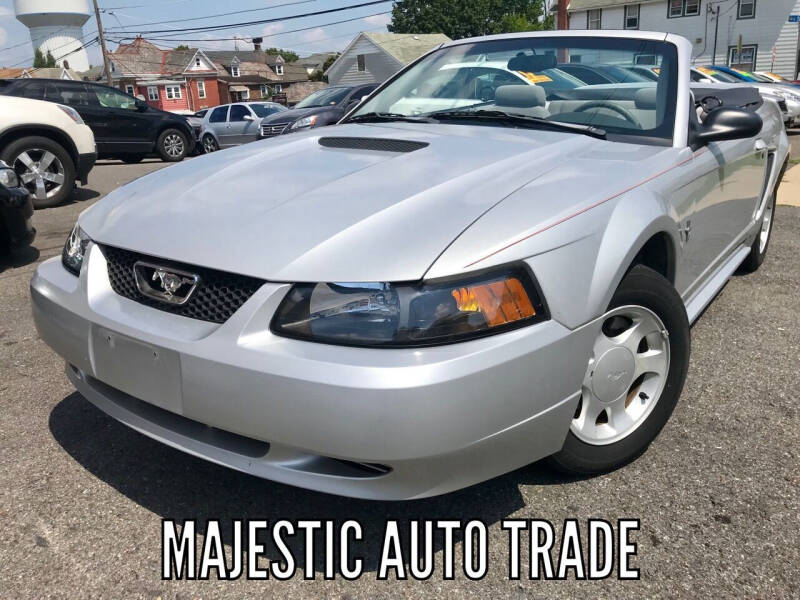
379 144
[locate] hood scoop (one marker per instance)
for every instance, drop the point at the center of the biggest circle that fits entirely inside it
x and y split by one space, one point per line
366 143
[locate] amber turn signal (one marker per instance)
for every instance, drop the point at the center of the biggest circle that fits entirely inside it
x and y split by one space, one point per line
500 302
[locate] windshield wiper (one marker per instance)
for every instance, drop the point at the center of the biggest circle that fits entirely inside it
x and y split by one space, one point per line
376 117
522 120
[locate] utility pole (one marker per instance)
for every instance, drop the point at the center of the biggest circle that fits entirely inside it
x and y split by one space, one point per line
716 35
106 62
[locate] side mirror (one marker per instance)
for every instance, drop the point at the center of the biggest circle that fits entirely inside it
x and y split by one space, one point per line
141 105
351 105
725 124
248 118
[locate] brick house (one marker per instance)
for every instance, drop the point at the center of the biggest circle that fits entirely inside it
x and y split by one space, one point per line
185 81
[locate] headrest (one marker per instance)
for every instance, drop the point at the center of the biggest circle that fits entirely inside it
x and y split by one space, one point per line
646 98
532 63
520 96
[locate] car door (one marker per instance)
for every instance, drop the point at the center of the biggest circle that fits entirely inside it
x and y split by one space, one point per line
217 122
77 95
127 127
726 193
242 126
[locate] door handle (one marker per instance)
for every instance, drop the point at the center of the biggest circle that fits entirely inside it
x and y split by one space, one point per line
761 146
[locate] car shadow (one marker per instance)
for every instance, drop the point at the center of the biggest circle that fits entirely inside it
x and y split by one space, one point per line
18 258
178 486
80 194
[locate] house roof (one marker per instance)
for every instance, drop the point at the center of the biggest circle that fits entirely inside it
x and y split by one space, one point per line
315 60
51 73
93 74
592 4
406 47
11 73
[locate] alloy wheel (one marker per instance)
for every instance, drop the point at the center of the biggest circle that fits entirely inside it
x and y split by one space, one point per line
173 145
766 226
209 144
41 172
625 376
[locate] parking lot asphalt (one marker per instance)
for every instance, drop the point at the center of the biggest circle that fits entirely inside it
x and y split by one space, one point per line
82 496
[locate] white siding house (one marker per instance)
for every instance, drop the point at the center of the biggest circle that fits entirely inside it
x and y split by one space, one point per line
753 27
375 57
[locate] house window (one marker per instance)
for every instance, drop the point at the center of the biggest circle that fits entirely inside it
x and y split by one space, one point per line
683 8
264 90
278 88
152 93
129 90
279 69
744 61
173 92
197 61
201 89
361 60
234 70
747 9
594 18
632 16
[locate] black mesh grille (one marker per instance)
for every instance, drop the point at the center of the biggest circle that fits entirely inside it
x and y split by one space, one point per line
379 144
218 295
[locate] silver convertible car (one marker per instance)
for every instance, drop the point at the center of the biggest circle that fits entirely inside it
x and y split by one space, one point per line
471 272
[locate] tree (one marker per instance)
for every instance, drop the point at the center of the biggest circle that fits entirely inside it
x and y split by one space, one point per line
39 61
319 74
287 55
49 60
466 18
182 47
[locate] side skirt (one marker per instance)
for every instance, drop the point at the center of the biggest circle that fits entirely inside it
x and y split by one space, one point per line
703 297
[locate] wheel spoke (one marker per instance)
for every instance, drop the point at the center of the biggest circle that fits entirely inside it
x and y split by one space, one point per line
45 161
652 361
57 178
619 419
632 337
41 190
26 160
590 410
27 177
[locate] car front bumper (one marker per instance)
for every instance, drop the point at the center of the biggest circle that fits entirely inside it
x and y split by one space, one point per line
381 424
16 216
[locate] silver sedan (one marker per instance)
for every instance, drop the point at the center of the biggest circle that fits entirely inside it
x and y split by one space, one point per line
470 273
231 125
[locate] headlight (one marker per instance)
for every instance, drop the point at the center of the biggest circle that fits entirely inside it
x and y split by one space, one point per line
305 122
71 113
397 315
9 178
74 250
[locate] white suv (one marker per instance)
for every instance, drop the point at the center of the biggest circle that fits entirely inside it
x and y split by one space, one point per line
48 145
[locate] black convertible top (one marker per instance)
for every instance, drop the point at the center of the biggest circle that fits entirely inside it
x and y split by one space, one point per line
737 96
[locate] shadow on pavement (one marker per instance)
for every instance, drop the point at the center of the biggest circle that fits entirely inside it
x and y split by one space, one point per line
18 258
81 194
178 486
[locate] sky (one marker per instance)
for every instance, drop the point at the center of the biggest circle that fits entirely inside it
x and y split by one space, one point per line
124 18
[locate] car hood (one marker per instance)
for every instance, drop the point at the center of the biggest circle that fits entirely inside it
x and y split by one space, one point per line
292 209
289 116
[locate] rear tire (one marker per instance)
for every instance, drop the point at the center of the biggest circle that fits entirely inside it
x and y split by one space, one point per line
172 145
602 444
51 185
758 251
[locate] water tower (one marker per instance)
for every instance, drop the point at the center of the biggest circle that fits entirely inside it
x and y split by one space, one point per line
57 26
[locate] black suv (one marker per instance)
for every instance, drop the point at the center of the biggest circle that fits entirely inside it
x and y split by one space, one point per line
124 127
324 107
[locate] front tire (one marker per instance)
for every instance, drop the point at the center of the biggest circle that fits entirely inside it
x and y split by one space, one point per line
634 377
44 167
172 145
758 251
209 144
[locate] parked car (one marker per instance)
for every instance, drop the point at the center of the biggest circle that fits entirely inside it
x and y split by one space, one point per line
124 127
196 123
235 124
598 74
423 299
788 97
323 107
47 145
16 212
775 78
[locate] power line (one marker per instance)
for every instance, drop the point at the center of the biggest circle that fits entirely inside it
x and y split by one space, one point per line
261 21
238 12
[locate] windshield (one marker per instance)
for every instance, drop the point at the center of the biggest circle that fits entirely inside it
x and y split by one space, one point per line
528 76
265 110
327 97
718 75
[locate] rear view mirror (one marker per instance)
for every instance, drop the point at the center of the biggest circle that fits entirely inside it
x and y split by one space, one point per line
727 124
532 63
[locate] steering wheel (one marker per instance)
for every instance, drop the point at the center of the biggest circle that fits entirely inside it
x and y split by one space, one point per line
624 112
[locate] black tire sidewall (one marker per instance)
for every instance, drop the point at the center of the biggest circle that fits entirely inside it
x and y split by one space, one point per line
162 152
640 287
17 147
